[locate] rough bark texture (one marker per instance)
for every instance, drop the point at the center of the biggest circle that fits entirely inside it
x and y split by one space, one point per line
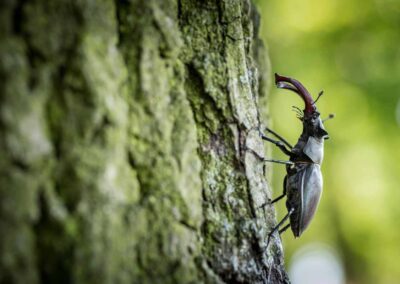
123 135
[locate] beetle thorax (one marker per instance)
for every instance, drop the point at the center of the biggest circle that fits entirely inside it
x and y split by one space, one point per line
314 149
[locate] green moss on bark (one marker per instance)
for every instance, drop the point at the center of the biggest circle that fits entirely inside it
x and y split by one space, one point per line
123 129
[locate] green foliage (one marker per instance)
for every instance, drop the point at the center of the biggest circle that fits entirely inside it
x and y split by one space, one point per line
350 50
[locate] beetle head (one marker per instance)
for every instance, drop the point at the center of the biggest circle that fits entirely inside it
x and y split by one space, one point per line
312 123
313 126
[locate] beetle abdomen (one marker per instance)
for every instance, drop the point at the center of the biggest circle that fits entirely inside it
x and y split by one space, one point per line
311 194
304 190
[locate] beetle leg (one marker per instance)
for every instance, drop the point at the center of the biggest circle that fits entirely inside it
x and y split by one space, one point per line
269 160
279 144
283 194
276 228
278 198
279 161
284 229
279 137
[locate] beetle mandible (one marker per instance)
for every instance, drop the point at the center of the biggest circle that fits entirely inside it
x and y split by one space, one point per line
303 182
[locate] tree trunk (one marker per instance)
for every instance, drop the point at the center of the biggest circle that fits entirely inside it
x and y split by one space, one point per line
123 134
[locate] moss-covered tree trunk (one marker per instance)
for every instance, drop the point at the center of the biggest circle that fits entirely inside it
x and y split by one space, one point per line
123 135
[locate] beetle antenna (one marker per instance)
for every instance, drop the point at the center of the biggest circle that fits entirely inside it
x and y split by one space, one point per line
319 95
297 109
330 116
299 113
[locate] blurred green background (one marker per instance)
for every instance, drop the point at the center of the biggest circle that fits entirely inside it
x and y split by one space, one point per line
351 50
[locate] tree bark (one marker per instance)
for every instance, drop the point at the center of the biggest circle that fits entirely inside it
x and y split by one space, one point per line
124 128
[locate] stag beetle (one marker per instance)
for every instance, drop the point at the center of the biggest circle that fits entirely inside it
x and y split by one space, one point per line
303 182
